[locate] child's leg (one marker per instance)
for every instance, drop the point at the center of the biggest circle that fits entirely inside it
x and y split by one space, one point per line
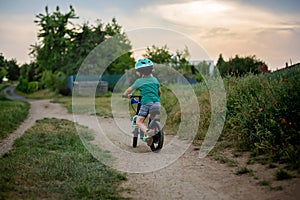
140 122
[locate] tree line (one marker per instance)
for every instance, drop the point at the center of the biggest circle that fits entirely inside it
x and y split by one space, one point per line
62 46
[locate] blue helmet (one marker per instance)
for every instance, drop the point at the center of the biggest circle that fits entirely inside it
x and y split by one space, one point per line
143 62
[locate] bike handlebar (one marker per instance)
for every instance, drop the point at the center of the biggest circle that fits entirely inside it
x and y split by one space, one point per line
135 96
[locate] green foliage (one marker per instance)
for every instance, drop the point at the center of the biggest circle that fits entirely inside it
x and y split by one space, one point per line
62 48
243 170
13 113
12 70
239 66
282 174
50 162
162 55
9 69
23 85
32 87
32 72
55 38
159 55
263 114
27 87
264 182
3 71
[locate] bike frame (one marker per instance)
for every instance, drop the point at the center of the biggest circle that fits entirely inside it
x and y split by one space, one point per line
151 123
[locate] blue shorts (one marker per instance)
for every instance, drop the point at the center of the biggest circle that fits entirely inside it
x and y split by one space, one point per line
152 108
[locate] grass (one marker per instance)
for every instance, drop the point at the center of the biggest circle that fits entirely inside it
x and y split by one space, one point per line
282 174
13 113
264 183
225 160
50 162
84 105
243 170
40 94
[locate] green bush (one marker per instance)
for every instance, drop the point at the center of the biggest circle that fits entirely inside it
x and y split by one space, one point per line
32 87
23 85
263 114
27 87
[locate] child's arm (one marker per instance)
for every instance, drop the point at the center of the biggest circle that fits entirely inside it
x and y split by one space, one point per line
127 92
159 92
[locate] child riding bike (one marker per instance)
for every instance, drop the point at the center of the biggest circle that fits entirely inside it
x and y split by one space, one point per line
149 88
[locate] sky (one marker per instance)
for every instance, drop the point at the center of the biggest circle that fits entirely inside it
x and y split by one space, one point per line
268 29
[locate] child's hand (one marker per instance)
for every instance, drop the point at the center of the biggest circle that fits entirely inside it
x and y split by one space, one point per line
126 96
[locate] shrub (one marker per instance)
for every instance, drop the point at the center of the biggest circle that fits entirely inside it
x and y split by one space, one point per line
32 87
263 114
27 87
23 85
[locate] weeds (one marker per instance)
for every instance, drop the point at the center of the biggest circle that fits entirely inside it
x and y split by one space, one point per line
225 160
282 174
243 170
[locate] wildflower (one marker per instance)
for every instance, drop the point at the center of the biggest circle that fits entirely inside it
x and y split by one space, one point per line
260 109
283 121
265 85
286 80
221 111
230 81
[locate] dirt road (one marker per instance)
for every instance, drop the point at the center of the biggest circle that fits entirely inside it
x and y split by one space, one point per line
187 177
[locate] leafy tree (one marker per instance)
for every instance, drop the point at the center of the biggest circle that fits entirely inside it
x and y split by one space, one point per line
239 66
83 42
55 38
32 72
159 55
92 36
3 71
220 61
162 55
12 68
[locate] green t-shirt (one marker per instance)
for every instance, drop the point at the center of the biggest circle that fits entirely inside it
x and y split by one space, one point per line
148 87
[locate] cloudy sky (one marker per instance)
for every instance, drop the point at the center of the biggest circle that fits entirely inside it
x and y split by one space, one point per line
269 29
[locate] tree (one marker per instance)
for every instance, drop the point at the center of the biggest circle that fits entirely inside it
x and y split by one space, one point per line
3 71
31 72
13 70
239 66
220 61
159 55
55 38
162 55
83 42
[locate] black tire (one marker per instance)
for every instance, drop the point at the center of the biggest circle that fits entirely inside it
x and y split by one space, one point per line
134 142
158 138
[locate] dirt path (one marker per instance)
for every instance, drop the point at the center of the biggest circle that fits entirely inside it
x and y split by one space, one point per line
187 177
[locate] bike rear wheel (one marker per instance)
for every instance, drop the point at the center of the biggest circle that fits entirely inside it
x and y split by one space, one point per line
158 138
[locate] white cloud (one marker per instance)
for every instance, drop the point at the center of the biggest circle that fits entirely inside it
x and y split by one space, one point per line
231 28
214 13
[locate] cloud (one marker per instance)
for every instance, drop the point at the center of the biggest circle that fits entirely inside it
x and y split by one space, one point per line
233 27
210 14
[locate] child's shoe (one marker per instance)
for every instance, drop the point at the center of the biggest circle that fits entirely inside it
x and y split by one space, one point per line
149 139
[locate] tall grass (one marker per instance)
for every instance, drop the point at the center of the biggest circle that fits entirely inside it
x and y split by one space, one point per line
263 114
